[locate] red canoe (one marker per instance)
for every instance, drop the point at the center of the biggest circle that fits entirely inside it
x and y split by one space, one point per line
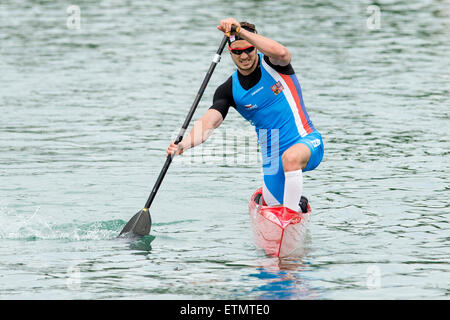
277 229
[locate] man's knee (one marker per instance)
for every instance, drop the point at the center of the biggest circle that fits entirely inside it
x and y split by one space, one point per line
295 158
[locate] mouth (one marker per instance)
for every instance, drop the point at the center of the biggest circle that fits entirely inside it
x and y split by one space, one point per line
246 62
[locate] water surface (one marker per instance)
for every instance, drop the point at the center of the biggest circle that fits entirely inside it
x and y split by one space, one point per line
86 115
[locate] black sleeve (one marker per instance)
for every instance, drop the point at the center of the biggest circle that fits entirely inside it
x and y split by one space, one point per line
287 70
223 98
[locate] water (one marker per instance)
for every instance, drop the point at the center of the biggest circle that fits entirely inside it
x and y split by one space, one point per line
86 115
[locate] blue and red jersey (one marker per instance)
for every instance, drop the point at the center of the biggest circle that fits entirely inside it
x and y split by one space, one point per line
273 103
270 98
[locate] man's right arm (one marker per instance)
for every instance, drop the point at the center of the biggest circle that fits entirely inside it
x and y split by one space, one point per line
212 119
201 131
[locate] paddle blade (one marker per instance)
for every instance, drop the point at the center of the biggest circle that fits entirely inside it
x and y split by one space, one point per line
139 225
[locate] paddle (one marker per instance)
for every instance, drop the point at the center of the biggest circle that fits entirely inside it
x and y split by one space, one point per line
140 224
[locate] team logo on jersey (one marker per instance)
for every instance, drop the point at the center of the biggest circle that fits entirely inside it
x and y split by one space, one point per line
277 88
315 143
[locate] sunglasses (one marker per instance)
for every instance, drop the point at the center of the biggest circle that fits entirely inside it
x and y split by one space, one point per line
239 51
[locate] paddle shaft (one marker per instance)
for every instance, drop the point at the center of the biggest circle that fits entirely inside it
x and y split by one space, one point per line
163 172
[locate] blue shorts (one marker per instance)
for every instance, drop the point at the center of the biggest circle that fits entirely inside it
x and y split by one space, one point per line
273 168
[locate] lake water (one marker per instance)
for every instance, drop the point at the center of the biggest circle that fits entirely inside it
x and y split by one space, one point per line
89 106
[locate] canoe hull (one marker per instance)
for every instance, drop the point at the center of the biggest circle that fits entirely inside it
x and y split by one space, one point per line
278 230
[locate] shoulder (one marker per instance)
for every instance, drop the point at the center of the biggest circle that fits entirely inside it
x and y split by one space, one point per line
288 69
225 89
223 98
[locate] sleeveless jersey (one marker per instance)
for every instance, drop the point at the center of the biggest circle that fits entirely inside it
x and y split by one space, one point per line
275 107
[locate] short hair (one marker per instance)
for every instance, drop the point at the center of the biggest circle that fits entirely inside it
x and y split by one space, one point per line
248 26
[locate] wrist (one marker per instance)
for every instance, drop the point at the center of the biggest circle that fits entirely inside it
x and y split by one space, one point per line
246 35
241 32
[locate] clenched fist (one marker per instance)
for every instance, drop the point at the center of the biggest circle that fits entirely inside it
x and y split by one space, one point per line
173 148
226 24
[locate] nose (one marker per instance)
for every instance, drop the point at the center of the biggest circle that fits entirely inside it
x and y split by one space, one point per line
244 55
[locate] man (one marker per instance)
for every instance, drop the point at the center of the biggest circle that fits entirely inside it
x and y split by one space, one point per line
266 92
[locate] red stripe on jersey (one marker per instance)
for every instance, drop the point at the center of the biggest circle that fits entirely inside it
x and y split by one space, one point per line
295 94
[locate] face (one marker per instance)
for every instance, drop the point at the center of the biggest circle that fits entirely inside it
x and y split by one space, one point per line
244 61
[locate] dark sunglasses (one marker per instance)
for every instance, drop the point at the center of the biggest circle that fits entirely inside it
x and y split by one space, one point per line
239 51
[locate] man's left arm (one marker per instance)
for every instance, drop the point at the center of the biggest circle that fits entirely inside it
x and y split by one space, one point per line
277 53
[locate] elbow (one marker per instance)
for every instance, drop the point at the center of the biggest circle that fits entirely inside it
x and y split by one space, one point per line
216 124
206 134
284 55
208 128
213 123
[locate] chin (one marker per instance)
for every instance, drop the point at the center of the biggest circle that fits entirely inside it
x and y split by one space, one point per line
246 67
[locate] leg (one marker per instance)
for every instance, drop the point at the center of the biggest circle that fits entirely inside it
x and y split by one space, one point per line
294 161
273 182
300 157
296 157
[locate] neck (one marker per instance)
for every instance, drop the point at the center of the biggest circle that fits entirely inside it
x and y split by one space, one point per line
248 71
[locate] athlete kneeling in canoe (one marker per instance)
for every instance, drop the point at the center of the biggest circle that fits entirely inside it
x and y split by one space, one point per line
265 91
